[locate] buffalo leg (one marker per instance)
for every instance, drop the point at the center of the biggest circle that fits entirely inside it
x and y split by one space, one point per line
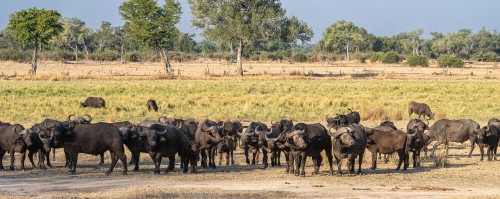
30 156
303 164
287 159
351 159
203 158
318 161
246 155
374 160
73 160
23 157
292 163
297 164
360 161
472 145
401 155
211 158
481 150
339 165
101 162
157 159
434 148
41 159
220 158
232 157
123 158
171 163
415 163
194 162
264 158
2 153
12 159
47 156
228 157
135 158
114 160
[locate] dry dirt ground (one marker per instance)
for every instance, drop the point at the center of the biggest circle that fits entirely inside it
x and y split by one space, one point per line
196 69
462 177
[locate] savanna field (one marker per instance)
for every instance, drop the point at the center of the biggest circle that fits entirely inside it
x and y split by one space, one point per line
259 98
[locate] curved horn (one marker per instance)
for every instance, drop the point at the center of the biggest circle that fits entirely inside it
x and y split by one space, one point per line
161 133
69 117
349 109
487 128
270 132
89 118
475 129
45 124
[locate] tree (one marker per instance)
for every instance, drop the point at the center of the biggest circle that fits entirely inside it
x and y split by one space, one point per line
410 42
35 27
104 36
296 30
75 33
343 35
184 43
151 25
241 21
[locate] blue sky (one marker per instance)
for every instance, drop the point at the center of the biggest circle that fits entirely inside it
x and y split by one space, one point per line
380 17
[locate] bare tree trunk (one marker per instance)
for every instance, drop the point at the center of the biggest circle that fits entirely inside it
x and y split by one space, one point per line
164 56
34 63
239 61
76 53
347 50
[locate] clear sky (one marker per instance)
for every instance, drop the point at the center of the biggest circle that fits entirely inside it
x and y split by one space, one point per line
380 17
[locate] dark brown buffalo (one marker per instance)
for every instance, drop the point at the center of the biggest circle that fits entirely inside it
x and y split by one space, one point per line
385 140
420 109
309 140
136 145
13 138
94 102
207 137
250 141
92 139
352 118
349 142
488 136
37 146
166 141
417 139
388 124
276 144
227 146
152 105
445 131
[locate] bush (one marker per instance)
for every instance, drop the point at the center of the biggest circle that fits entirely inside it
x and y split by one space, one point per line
377 57
391 57
105 56
451 61
133 56
417 60
57 55
299 57
15 55
487 57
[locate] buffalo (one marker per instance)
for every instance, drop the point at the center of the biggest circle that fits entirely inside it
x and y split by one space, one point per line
38 146
309 140
94 102
13 138
420 109
276 145
488 136
92 139
348 142
351 118
385 140
417 139
152 105
166 141
207 137
250 141
227 146
445 131
135 144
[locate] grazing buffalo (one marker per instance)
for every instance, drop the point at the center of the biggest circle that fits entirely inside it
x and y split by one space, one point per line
309 140
352 118
385 140
250 141
207 137
349 142
92 139
13 138
420 109
166 141
488 136
445 131
94 102
152 105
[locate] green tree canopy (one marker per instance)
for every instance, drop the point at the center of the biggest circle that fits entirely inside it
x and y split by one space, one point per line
242 21
74 35
35 27
343 35
151 25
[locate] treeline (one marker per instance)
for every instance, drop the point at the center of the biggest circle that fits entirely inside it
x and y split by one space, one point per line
109 43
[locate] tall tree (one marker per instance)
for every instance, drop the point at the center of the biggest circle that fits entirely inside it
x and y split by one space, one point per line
242 21
343 35
151 25
104 36
35 27
75 34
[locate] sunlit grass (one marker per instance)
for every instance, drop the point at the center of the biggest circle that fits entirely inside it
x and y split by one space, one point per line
28 102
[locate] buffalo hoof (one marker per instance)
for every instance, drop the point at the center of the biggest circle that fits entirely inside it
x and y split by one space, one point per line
71 173
194 171
157 173
135 169
248 161
108 173
11 168
185 171
124 173
302 175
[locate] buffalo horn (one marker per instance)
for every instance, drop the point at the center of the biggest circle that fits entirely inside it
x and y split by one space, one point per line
487 128
89 118
161 133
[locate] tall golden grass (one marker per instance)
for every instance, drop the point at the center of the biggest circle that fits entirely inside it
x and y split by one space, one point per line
28 102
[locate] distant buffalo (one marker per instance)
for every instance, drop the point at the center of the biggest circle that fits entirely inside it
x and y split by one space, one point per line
342 120
94 102
152 105
420 109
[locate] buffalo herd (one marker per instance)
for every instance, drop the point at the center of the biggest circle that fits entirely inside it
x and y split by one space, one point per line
199 142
